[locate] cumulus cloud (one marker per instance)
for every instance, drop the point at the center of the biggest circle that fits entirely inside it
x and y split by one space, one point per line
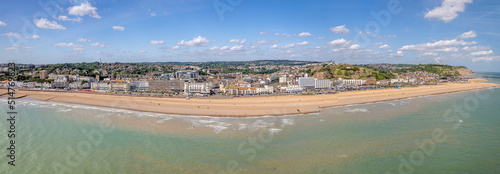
153 14
398 54
62 44
304 34
340 29
468 35
237 48
274 46
84 9
97 44
262 33
340 43
35 37
448 10
262 42
47 24
237 41
303 43
384 47
439 45
119 28
428 54
175 47
320 38
198 41
2 24
66 18
354 47
142 51
157 42
482 53
83 40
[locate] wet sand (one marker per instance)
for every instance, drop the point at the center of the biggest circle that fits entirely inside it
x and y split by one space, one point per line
251 106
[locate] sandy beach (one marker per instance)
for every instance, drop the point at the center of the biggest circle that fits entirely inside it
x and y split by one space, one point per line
251 106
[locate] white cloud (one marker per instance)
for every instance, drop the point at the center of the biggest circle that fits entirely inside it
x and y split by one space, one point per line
35 37
485 58
83 40
276 34
475 48
303 43
468 35
398 54
340 43
438 59
320 38
62 44
66 18
47 24
157 42
84 9
97 44
237 41
262 33
354 47
286 35
448 10
262 42
119 28
153 14
384 47
12 34
289 45
143 51
237 48
198 41
304 34
482 53
340 29
429 54
224 48
2 24
436 45
274 46
176 47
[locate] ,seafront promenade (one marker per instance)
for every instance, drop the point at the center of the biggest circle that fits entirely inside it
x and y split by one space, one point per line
252 106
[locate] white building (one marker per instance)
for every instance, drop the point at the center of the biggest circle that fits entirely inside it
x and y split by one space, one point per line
306 82
322 83
139 86
353 82
202 88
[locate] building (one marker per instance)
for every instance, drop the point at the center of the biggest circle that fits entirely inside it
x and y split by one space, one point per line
354 82
196 88
187 74
292 88
306 82
61 82
370 81
99 86
322 83
166 85
139 86
43 74
120 87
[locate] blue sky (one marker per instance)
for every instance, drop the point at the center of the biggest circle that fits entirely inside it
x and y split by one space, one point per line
455 32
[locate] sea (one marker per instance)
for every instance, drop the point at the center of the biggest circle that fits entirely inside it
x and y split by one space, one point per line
447 133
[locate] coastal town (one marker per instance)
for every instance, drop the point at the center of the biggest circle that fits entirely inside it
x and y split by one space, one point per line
228 79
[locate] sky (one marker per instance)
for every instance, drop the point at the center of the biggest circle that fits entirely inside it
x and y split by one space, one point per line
454 32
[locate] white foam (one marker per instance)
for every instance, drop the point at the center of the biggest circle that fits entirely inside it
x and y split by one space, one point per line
273 131
357 110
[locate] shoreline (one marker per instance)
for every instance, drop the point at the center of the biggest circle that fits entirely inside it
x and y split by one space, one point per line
252 106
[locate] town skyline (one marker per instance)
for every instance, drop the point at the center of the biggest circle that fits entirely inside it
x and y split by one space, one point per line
206 30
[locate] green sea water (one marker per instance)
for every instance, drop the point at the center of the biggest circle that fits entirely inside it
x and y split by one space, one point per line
448 133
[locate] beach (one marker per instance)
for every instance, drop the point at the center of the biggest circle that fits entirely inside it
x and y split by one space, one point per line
250 106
